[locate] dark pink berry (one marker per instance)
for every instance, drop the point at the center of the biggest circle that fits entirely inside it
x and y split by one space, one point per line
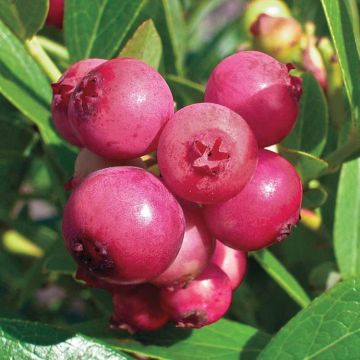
232 262
123 226
55 15
206 153
62 91
260 89
138 308
264 211
194 254
119 109
204 301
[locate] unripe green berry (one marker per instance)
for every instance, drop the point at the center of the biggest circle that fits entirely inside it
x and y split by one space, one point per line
256 7
279 37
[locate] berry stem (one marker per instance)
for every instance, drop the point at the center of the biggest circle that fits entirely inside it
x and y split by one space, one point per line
337 157
54 48
41 57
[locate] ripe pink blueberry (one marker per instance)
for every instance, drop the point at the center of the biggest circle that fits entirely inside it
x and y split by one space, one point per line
62 91
206 153
123 226
204 301
232 262
264 211
87 162
119 109
138 308
260 89
55 14
194 254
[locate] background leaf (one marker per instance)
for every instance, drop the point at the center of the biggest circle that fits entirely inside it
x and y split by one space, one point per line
340 24
26 87
328 329
308 166
25 340
282 277
222 340
25 18
97 28
16 139
144 45
171 26
347 220
306 136
314 198
185 89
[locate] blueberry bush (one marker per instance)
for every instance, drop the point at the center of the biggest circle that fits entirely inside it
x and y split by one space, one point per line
141 216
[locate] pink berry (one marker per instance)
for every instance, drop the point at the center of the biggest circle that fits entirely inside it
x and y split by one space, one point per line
122 225
138 309
260 89
87 162
264 211
206 153
204 301
55 15
232 262
194 254
119 109
62 91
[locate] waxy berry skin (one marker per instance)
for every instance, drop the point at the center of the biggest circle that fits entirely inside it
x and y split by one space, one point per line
264 211
123 226
260 89
194 254
232 262
138 308
204 301
206 153
62 91
119 109
55 15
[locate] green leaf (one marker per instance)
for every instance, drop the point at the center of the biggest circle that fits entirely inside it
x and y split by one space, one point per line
338 15
145 45
328 329
314 198
60 263
281 276
223 340
308 166
347 220
16 139
310 132
14 172
187 90
27 340
171 27
97 28
26 87
25 18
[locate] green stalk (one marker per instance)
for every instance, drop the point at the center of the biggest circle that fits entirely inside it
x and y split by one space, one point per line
42 59
337 157
54 48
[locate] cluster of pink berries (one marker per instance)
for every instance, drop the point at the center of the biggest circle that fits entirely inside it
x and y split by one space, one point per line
174 247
